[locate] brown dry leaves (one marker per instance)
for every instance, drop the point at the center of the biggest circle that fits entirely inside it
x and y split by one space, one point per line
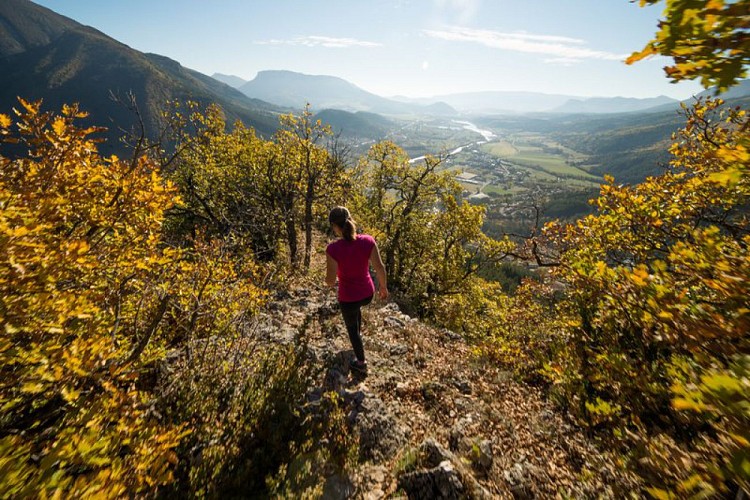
431 381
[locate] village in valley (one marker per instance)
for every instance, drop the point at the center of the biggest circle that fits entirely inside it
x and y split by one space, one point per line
504 170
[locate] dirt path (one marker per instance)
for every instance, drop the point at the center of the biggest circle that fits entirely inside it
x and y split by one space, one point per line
425 384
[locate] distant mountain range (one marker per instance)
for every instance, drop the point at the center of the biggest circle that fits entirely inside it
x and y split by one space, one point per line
613 104
231 80
44 55
739 91
291 89
501 102
497 102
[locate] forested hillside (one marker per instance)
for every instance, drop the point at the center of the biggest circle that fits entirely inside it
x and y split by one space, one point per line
47 56
358 125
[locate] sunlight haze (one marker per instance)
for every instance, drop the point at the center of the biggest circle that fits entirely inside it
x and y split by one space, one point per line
414 48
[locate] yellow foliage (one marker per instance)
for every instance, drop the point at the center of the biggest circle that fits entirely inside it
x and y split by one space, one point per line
707 39
87 287
253 192
659 278
518 332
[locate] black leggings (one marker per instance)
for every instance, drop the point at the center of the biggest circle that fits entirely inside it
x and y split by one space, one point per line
352 313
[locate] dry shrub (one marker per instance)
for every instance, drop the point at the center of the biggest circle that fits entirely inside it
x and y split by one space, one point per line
252 432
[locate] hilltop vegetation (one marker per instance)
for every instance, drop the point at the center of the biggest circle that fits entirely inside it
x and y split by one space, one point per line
199 245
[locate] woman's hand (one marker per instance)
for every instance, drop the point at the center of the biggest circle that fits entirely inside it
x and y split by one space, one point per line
382 293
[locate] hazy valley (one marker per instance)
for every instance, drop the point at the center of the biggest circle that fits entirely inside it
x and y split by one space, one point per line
541 143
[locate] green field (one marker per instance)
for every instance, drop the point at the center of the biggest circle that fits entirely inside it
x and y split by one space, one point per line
537 173
551 164
538 153
500 190
501 149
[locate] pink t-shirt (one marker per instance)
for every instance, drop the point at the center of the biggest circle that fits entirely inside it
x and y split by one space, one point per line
353 259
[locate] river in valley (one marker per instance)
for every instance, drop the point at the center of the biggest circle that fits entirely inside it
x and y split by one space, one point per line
487 135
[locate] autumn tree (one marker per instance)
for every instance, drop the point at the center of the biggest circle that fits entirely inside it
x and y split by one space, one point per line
431 240
710 40
255 191
90 298
655 317
707 39
321 176
79 241
227 184
649 335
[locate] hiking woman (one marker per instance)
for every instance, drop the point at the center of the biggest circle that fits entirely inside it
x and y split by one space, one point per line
349 259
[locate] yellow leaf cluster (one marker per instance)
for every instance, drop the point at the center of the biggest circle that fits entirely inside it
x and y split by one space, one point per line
89 292
660 277
707 39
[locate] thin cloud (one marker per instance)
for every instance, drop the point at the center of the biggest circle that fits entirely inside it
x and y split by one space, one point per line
562 49
320 41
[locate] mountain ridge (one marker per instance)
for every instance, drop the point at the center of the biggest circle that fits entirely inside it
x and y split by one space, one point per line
54 58
24 25
614 104
295 90
496 101
231 80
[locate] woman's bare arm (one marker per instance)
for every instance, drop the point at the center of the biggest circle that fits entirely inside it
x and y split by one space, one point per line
331 268
377 265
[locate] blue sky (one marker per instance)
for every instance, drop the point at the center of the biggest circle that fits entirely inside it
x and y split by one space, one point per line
401 47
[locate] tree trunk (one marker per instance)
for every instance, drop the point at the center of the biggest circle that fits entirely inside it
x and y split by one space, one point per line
390 255
309 196
291 236
291 229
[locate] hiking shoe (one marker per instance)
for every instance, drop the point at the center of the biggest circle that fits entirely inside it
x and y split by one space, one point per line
358 367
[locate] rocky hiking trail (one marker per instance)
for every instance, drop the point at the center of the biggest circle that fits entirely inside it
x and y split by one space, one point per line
433 420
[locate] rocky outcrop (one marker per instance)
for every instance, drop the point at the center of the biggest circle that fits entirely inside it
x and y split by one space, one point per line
440 476
439 482
380 436
475 448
